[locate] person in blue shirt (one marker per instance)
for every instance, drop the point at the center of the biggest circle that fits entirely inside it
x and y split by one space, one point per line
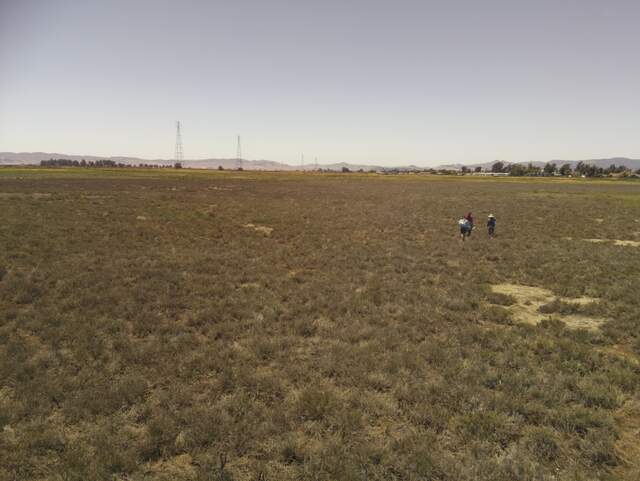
491 225
465 228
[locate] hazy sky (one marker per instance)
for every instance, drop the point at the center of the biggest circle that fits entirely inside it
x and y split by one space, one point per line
391 82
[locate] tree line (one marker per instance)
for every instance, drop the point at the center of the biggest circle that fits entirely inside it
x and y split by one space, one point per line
552 169
102 163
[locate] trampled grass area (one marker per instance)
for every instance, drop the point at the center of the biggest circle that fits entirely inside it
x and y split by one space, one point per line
180 325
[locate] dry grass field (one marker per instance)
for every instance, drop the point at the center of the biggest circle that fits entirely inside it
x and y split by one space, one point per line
178 325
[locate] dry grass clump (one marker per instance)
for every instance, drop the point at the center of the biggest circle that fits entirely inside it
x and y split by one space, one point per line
357 339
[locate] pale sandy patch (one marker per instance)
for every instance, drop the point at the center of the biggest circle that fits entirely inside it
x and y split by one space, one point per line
616 242
529 299
33 195
260 228
622 352
628 243
178 468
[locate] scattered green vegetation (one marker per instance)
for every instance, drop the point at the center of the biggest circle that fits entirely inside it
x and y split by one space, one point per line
180 325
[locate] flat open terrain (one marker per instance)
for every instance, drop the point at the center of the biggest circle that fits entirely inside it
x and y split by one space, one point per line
175 325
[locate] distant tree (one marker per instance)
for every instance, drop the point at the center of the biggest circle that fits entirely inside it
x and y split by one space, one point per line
177 165
345 170
478 169
497 166
613 169
550 168
589 170
518 170
464 169
565 169
220 167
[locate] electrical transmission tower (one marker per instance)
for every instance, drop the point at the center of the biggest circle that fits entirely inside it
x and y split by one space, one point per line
239 155
179 154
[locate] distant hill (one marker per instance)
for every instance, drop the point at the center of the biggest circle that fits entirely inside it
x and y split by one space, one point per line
34 158
633 164
232 164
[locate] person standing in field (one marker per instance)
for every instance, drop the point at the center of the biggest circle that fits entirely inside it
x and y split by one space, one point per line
491 225
465 228
469 218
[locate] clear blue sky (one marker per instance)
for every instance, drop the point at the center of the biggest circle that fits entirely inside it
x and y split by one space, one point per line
391 82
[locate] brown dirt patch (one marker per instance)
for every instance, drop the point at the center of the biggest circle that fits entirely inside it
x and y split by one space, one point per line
529 299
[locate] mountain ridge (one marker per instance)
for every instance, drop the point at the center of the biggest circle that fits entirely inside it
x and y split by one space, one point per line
34 158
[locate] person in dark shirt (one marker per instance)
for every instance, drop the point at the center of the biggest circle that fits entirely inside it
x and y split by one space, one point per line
469 218
491 225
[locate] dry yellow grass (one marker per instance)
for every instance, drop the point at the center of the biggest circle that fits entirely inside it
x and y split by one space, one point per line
357 339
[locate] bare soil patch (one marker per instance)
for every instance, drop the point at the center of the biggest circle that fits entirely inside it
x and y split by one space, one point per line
616 242
623 352
178 468
529 300
19 195
260 228
628 243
